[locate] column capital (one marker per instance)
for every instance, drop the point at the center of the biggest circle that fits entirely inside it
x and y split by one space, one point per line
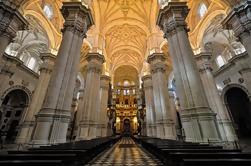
77 18
48 56
95 61
157 62
95 57
147 81
204 61
48 62
11 19
172 18
105 81
156 57
239 20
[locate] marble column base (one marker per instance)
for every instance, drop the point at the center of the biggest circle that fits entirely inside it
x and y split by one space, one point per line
165 129
227 131
87 130
200 125
25 132
151 130
101 130
51 127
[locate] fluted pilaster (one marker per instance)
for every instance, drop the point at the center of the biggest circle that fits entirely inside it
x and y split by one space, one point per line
165 127
199 121
53 119
150 108
37 98
215 102
90 106
102 114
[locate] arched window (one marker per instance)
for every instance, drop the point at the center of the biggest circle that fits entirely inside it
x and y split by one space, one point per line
48 11
32 63
126 83
202 10
220 61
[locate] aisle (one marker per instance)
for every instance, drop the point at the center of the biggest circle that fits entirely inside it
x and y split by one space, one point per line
126 153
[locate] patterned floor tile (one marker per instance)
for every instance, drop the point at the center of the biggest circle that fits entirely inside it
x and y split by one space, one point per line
125 153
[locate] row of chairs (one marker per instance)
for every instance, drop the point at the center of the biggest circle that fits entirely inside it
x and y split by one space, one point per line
176 153
67 154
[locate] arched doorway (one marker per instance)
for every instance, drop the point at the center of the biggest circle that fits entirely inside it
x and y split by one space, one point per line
239 106
12 108
127 127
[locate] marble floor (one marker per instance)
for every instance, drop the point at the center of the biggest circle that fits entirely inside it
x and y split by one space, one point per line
125 153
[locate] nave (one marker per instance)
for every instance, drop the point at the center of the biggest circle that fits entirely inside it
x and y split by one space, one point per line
125 152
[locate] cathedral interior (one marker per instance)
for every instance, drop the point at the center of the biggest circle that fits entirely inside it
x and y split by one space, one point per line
125 82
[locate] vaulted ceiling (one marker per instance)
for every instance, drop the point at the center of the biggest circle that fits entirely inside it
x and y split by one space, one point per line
125 31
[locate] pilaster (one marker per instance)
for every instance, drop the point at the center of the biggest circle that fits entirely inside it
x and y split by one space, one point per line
28 120
225 125
87 128
150 108
53 119
164 123
102 114
199 122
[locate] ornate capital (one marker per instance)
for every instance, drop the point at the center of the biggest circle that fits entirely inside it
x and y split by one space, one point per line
105 81
157 62
204 61
172 18
156 57
147 81
48 62
78 18
239 20
95 61
11 19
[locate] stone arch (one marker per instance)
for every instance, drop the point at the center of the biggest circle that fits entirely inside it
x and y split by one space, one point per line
13 107
16 87
226 88
206 22
46 27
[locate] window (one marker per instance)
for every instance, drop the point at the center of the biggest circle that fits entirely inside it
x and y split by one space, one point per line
32 63
48 11
126 83
220 61
239 50
202 10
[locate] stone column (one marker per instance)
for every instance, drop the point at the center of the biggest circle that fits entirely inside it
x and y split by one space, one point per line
53 119
91 101
239 21
102 114
11 22
199 121
165 126
150 112
28 121
226 129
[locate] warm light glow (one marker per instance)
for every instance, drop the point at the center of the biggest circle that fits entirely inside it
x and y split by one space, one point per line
135 120
117 120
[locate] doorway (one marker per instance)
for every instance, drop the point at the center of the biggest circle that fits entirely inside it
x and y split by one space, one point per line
13 107
127 127
239 106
